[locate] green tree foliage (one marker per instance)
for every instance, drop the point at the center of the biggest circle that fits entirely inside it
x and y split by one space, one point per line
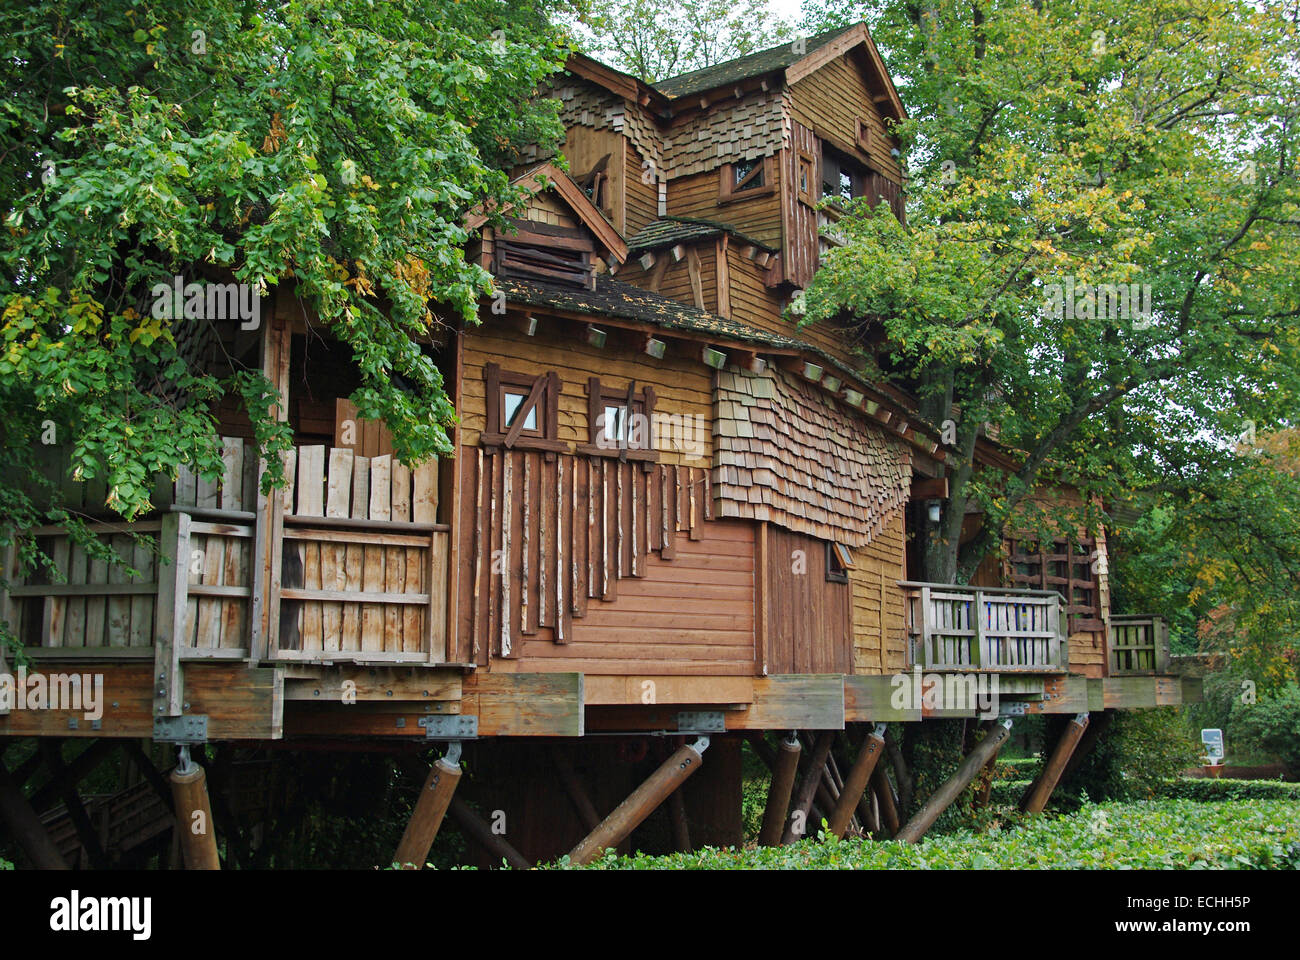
322 149
1141 750
1095 143
657 40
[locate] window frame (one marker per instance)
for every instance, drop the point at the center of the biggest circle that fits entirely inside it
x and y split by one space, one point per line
1042 574
545 436
730 191
807 196
839 561
599 396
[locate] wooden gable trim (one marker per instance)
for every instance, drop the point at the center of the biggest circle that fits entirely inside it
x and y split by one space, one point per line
841 45
622 84
578 202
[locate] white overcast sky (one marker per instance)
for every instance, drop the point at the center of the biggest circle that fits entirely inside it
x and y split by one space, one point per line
785 9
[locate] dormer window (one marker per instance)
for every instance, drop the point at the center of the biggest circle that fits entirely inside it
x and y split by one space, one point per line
745 179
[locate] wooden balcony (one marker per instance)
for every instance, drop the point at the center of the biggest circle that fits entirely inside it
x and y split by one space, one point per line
1138 646
347 563
972 629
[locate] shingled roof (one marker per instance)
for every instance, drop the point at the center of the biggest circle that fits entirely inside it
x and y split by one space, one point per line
742 68
674 230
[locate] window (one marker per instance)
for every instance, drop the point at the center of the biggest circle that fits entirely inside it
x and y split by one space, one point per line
1069 568
839 561
620 421
745 179
806 178
522 410
842 179
864 134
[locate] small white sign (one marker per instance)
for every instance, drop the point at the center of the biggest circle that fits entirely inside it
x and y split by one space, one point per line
1212 740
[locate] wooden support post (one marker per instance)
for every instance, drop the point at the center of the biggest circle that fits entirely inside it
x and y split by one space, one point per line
629 814
984 788
430 808
194 816
855 784
677 815
1036 797
1098 724
785 765
808 788
90 841
586 810
884 792
26 827
951 788
479 830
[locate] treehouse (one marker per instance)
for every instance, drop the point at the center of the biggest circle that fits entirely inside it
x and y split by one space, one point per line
670 510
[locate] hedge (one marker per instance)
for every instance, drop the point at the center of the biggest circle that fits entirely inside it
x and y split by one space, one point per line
1142 834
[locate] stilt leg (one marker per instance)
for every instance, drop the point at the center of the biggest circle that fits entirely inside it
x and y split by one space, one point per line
430 808
25 826
481 833
786 764
855 784
808 789
884 792
951 788
629 814
1040 790
194 815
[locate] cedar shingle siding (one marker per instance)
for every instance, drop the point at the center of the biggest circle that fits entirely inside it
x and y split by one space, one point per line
785 454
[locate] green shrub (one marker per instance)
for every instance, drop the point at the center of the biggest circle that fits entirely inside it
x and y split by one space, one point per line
1143 834
1272 724
1017 768
1141 750
1204 790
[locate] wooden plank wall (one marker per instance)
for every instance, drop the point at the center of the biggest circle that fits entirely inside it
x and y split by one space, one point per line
801 246
642 199
879 628
584 148
682 385
593 565
808 623
834 97
758 218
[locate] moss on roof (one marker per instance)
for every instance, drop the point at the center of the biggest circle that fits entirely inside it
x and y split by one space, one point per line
742 68
673 230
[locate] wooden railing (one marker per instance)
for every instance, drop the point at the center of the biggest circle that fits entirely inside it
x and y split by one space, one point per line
962 628
363 564
1138 645
361 571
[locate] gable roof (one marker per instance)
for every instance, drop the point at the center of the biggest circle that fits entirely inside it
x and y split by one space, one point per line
742 68
796 62
547 175
670 231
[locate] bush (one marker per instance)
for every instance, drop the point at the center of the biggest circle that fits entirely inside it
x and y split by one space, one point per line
1206 790
1017 769
1142 835
1141 750
1272 724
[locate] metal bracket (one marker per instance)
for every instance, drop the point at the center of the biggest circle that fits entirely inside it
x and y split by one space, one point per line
701 721
184 729
452 727
1013 708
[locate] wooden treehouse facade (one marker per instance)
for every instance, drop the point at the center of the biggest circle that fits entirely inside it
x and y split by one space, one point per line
670 511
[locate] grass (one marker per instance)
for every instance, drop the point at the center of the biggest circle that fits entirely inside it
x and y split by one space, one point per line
1145 834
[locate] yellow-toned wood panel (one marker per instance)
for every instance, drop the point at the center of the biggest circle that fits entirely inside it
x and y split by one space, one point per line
585 148
682 384
833 98
697 196
642 205
755 304
877 569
